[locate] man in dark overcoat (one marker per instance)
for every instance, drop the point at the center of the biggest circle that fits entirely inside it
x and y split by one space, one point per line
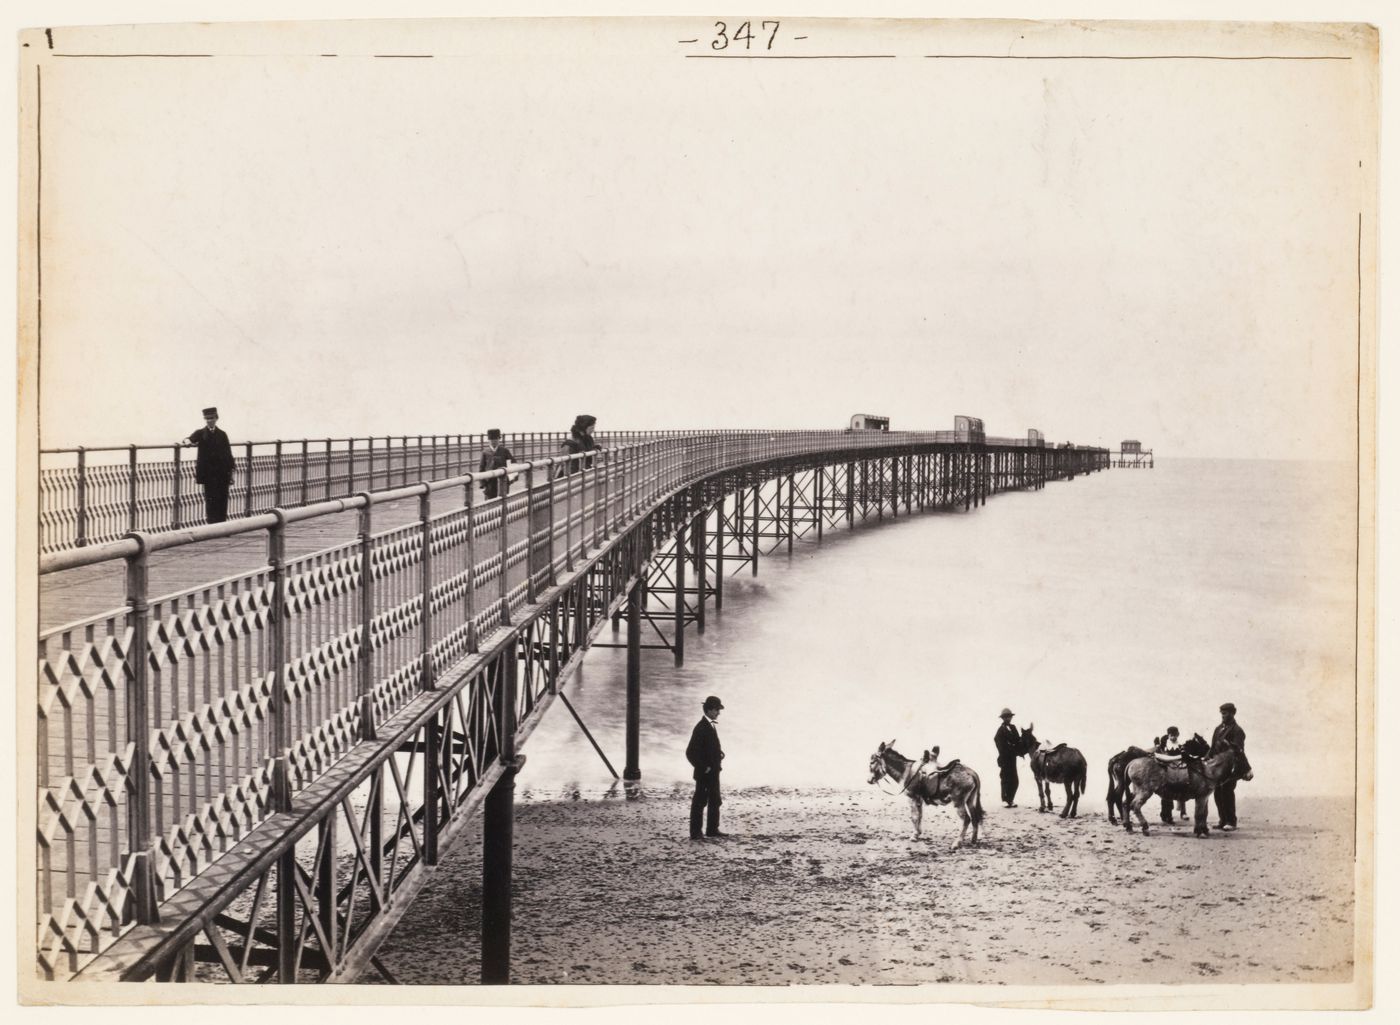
213 467
1229 734
495 456
1009 748
705 755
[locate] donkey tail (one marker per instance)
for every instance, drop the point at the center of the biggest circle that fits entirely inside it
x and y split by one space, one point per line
977 813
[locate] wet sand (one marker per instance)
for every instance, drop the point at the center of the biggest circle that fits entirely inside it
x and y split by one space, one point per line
821 887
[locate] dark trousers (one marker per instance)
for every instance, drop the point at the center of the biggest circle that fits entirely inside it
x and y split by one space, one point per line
1009 782
706 801
216 502
1225 803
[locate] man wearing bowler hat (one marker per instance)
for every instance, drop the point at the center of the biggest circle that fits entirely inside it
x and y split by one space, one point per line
1228 735
495 456
213 467
1009 748
704 753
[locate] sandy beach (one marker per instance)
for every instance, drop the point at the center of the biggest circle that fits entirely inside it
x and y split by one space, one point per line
820 887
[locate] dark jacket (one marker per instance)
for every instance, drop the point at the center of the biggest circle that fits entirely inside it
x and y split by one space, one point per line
703 751
495 459
214 464
1008 741
1227 735
577 442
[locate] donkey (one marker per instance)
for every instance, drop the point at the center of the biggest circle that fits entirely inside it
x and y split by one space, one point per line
953 784
1148 776
1117 799
1056 764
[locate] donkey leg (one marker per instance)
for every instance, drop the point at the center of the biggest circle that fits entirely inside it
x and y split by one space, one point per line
916 815
1202 817
1069 798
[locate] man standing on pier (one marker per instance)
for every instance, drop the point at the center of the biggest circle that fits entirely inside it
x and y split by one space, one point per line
1228 735
1008 741
704 753
213 467
495 456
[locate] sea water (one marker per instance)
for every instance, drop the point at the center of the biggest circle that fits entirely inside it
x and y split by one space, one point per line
1102 610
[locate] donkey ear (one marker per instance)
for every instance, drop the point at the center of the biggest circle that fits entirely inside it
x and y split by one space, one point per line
890 744
1030 728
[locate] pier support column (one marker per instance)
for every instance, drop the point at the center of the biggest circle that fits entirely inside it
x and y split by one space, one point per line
719 555
498 835
678 645
698 536
632 770
496 863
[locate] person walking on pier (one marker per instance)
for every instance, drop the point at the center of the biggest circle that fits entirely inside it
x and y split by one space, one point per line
580 439
495 456
705 755
1009 748
213 467
1229 734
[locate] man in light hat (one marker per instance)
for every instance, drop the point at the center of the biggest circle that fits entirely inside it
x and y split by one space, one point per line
705 755
495 456
213 467
1228 735
1009 748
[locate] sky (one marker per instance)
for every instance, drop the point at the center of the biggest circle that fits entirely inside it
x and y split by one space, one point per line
537 222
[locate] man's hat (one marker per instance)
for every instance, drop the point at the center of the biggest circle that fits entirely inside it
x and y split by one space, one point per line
1228 708
494 434
713 702
1173 730
211 411
1006 713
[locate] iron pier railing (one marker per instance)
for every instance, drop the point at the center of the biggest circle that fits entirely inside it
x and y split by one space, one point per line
249 773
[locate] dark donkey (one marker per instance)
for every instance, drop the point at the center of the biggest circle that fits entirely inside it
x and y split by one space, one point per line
953 784
1147 776
1058 764
1117 799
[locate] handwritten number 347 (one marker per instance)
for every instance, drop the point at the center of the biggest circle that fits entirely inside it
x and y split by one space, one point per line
743 34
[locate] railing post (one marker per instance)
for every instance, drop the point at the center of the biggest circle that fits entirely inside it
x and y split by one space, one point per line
82 497
277 475
281 733
425 568
350 467
328 468
304 453
368 727
138 734
131 488
530 533
248 478
175 487
472 642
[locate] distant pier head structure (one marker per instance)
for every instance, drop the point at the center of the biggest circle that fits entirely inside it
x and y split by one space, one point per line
257 738
1132 456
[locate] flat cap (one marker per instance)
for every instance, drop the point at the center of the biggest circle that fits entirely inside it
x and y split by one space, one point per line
1228 707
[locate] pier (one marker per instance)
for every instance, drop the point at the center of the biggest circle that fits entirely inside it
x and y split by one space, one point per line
1132 456
257 738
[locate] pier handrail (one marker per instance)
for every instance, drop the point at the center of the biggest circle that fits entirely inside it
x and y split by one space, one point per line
86 501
